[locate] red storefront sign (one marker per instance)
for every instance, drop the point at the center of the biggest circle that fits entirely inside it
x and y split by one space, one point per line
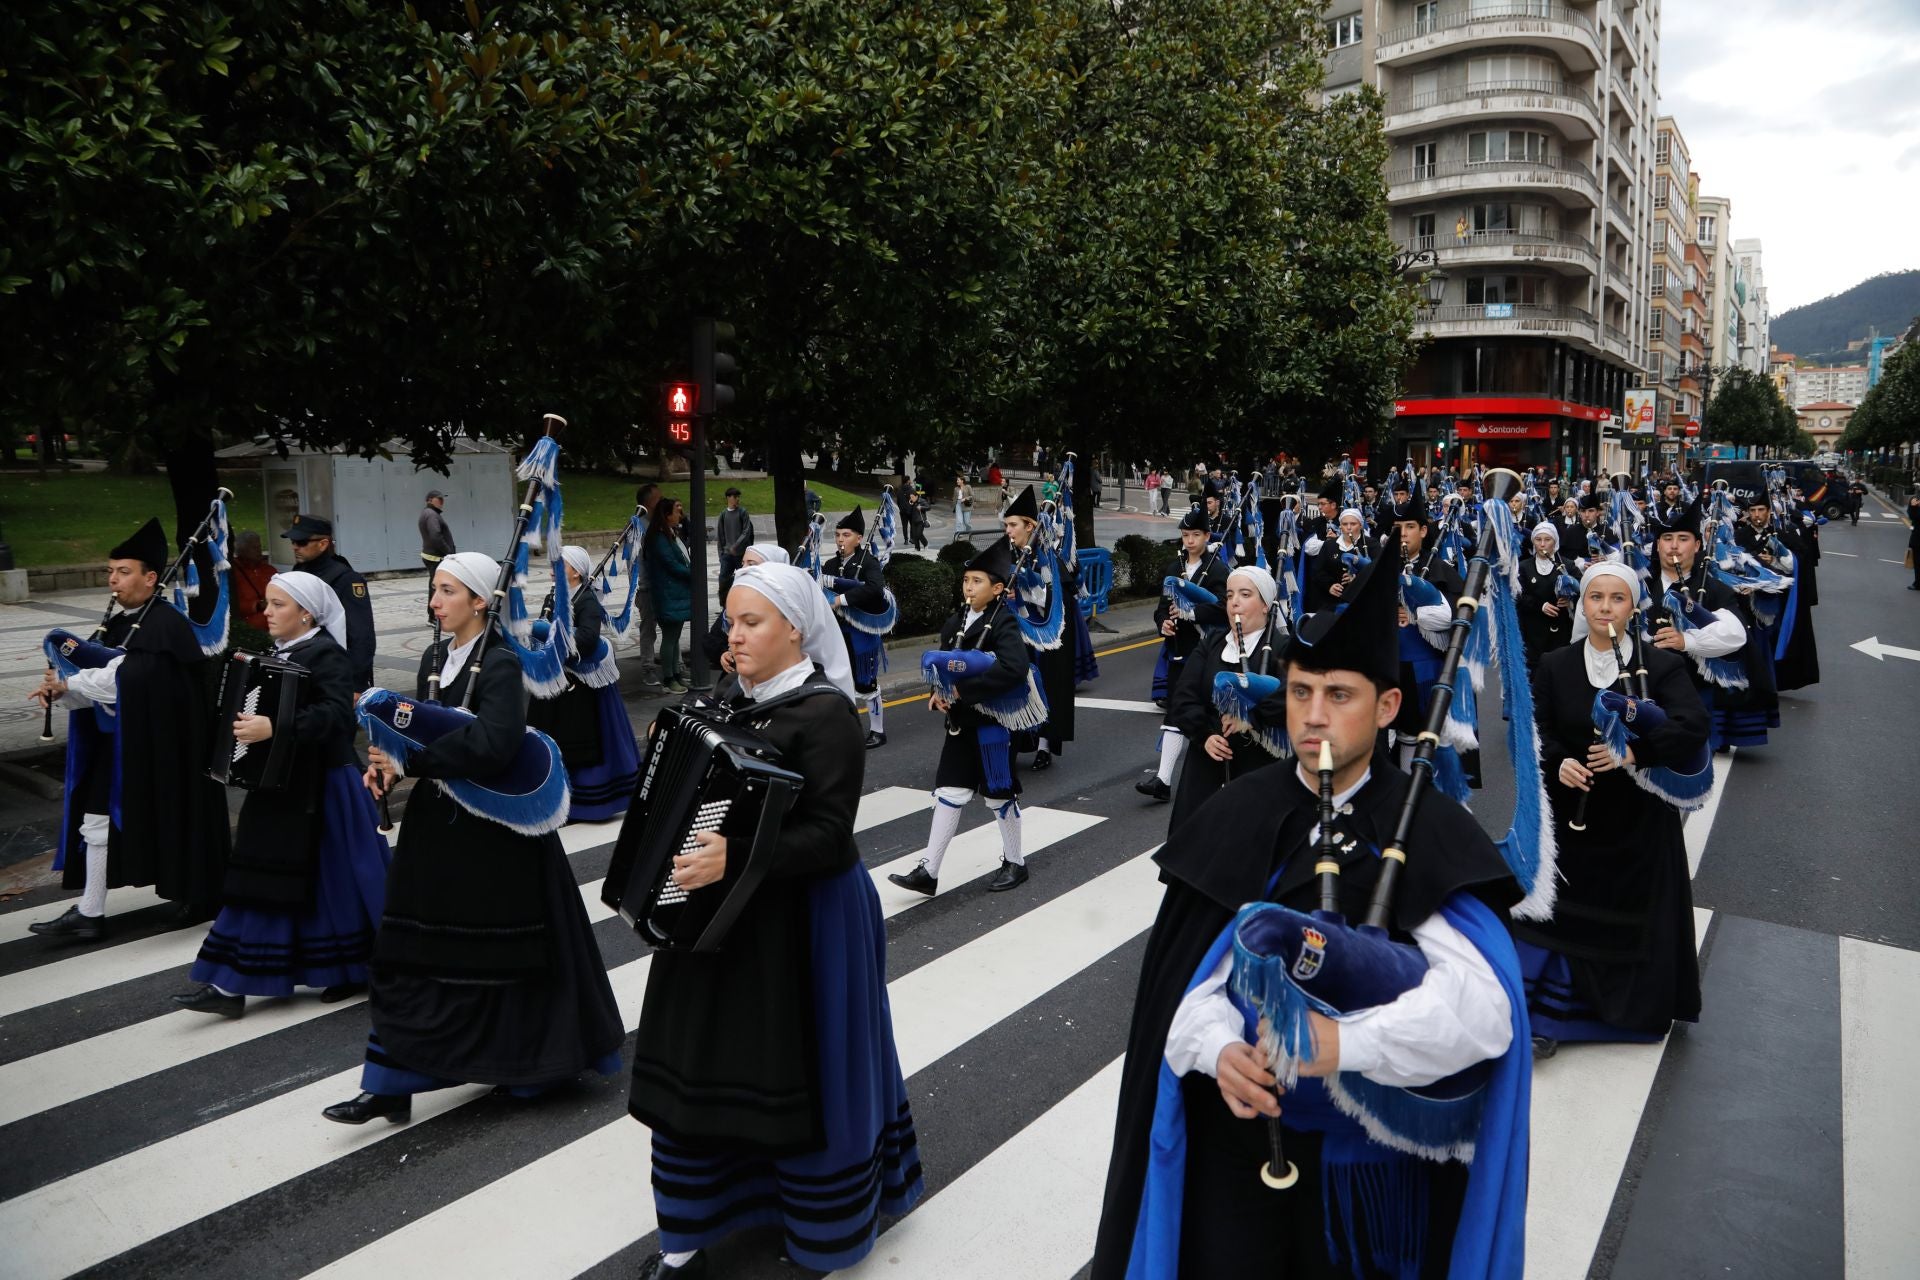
1502 429
1531 406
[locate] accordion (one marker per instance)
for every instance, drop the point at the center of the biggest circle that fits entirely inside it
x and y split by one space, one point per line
702 773
260 686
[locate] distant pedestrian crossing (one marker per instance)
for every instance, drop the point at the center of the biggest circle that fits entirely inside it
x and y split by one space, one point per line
145 1141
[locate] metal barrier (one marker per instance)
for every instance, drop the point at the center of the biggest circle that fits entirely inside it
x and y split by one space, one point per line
1096 581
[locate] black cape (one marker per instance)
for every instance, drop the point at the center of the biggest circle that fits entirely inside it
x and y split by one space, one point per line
572 716
173 832
1191 710
1222 858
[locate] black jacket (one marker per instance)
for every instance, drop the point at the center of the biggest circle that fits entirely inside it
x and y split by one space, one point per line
1191 710
354 598
871 595
1187 633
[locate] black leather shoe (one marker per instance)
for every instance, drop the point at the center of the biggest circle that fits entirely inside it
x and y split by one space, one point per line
396 1107
345 991
1156 790
875 740
1042 760
1544 1047
917 880
1010 876
72 926
656 1268
210 999
192 913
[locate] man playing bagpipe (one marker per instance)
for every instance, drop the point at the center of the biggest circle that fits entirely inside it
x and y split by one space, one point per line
1693 613
1042 585
1428 588
1221 521
859 587
984 702
138 810
1588 542
1192 595
1187 1192
1324 522
1778 546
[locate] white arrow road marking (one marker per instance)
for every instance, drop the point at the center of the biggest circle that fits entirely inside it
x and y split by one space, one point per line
1872 647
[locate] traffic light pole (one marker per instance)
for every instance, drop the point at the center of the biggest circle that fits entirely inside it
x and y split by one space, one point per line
695 646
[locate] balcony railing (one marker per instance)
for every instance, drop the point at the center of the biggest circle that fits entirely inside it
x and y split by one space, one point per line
1453 19
1491 88
1475 239
1620 210
1520 314
1626 92
1455 168
1670 289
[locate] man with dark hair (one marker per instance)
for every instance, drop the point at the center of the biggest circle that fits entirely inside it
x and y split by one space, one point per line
313 552
734 536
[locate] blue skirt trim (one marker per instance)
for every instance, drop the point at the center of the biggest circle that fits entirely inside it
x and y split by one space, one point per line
258 952
380 1074
602 791
827 1202
1556 1011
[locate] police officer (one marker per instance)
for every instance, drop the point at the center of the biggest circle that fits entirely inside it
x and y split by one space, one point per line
312 541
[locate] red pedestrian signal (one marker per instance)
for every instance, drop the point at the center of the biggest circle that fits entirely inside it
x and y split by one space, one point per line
682 399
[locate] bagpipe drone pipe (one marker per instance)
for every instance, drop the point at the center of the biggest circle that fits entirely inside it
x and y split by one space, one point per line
622 563
1289 964
1238 696
543 655
703 772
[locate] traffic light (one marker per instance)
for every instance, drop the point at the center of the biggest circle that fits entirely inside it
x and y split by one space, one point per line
714 368
679 416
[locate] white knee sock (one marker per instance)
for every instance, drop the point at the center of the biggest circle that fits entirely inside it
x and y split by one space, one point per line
1173 749
876 713
1045 745
946 821
94 829
1007 816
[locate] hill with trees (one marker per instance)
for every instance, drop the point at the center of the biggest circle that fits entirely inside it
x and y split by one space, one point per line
1886 303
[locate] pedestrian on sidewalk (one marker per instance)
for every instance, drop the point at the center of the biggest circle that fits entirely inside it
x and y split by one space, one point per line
962 506
648 621
735 536
436 540
1913 540
670 571
251 574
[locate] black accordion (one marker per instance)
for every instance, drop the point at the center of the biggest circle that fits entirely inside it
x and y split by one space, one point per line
260 686
702 773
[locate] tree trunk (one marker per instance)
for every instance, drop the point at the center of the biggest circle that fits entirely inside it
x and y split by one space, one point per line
193 476
788 474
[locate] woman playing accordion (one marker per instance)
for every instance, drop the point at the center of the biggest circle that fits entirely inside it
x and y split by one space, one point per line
307 881
1617 960
485 969
767 1069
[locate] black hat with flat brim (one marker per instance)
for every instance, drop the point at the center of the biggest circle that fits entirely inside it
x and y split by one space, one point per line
306 527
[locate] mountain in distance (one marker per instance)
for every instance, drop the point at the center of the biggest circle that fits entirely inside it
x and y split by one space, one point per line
1821 330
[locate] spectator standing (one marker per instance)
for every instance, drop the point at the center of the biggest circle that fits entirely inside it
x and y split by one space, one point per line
251 573
735 536
962 507
670 572
436 540
644 498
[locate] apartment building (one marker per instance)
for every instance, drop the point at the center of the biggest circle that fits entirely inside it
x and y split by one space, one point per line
1677 345
1750 278
1843 384
1522 163
1713 216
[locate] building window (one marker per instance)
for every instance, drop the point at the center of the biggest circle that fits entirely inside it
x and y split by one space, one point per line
1707 221
1507 144
1527 290
1657 325
1663 148
1659 279
1492 217
1346 31
1422 224
1660 192
1426 158
1426 17
1656 367
1515 70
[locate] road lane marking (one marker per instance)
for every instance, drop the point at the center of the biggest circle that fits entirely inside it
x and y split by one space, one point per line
1879 1041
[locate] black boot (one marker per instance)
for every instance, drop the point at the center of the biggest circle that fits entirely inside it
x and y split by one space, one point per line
72 927
875 740
656 1268
1544 1047
344 991
1010 876
917 880
1158 791
1042 760
396 1107
210 999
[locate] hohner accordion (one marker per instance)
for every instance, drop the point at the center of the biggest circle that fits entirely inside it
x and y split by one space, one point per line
260 686
702 774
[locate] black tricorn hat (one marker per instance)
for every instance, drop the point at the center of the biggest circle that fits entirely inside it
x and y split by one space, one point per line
1361 634
853 521
1682 518
147 545
1027 504
1194 519
995 560
1335 489
1591 502
1412 507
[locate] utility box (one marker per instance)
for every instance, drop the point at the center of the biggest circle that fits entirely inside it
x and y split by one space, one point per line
375 503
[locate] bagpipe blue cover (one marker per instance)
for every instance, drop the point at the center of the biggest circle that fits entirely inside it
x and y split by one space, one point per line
530 796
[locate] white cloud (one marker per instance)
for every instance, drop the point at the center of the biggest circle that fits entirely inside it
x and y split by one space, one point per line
1808 120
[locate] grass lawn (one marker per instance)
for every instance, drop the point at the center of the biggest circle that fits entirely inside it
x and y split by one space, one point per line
75 517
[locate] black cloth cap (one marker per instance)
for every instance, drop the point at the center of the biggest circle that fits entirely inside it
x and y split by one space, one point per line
1400 483
1334 490
1591 502
306 526
1363 632
853 521
1027 504
1675 519
1412 507
1194 519
147 545
434 493
995 560
1751 498
1212 490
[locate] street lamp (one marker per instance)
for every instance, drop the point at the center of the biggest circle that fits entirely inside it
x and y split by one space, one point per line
1433 284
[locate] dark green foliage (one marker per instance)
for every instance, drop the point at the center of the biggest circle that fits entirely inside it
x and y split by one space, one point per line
1747 409
1890 415
957 553
925 590
1137 562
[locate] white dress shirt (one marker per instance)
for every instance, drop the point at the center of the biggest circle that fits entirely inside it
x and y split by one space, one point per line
1725 635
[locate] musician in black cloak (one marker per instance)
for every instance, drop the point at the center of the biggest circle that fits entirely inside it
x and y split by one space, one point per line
137 808
976 755
1183 1191
485 969
1227 746
1781 548
1544 607
1428 590
854 564
1183 625
1032 594
1338 562
1713 630
767 1069
307 883
587 720
1616 962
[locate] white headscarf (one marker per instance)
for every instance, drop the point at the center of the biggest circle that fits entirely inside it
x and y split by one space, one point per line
801 602
1603 569
1262 581
474 570
1355 513
1549 530
770 553
578 560
317 598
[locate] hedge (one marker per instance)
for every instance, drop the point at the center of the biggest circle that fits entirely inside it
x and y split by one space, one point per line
925 590
1138 562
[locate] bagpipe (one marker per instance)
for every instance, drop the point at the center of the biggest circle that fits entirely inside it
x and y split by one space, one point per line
1289 964
1237 696
1620 717
543 653
530 795
878 544
703 773
1024 707
68 655
253 684
622 562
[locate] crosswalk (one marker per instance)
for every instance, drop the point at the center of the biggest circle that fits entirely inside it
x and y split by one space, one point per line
146 1141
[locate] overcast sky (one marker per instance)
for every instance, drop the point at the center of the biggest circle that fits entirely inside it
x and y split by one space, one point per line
1808 119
